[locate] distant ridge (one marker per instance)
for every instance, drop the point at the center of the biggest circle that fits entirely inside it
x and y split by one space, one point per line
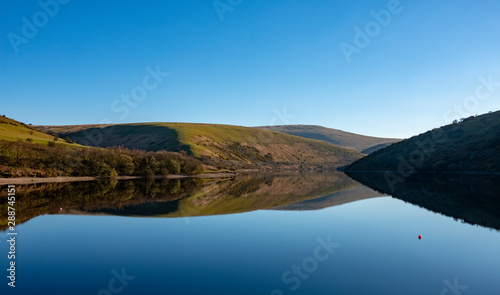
360 143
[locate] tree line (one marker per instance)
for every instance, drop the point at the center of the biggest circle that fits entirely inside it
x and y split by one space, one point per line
22 158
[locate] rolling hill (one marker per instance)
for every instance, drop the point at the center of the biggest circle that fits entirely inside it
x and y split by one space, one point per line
473 145
360 143
218 145
27 151
12 130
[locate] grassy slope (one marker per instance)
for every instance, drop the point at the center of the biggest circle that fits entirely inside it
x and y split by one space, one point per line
473 145
361 143
222 142
11 130
26 151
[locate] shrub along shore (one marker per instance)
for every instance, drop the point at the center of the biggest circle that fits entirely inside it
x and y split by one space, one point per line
25 159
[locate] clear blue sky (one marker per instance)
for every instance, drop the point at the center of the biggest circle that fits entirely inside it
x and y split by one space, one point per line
249 64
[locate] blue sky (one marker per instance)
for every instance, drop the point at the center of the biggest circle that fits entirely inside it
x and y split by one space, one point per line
251 63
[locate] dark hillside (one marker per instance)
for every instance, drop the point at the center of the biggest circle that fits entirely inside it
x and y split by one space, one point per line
472 145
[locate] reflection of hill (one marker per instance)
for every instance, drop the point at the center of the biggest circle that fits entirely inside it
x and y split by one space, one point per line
261 192
474 199
41 199
173 198
349 195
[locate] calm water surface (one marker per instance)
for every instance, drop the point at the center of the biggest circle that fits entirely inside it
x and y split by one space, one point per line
335 236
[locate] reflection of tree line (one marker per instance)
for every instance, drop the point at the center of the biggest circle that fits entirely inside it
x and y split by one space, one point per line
187 197
473 199
40 199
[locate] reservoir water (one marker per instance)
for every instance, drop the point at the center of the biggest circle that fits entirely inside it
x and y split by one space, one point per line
321 233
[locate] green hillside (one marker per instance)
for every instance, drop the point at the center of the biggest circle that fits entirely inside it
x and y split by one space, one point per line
12 130
29 152
218 145
360 143
472 145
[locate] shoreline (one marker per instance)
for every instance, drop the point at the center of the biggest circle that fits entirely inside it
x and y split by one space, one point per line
32 180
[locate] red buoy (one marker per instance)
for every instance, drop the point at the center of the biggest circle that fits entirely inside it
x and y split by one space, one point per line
60 209
419 237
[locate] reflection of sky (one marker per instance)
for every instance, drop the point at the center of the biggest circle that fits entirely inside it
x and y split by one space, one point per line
248 253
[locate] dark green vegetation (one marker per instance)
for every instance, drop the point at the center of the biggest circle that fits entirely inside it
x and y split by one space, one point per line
473 199
360 143
472 145
174 197
19 158
218 146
